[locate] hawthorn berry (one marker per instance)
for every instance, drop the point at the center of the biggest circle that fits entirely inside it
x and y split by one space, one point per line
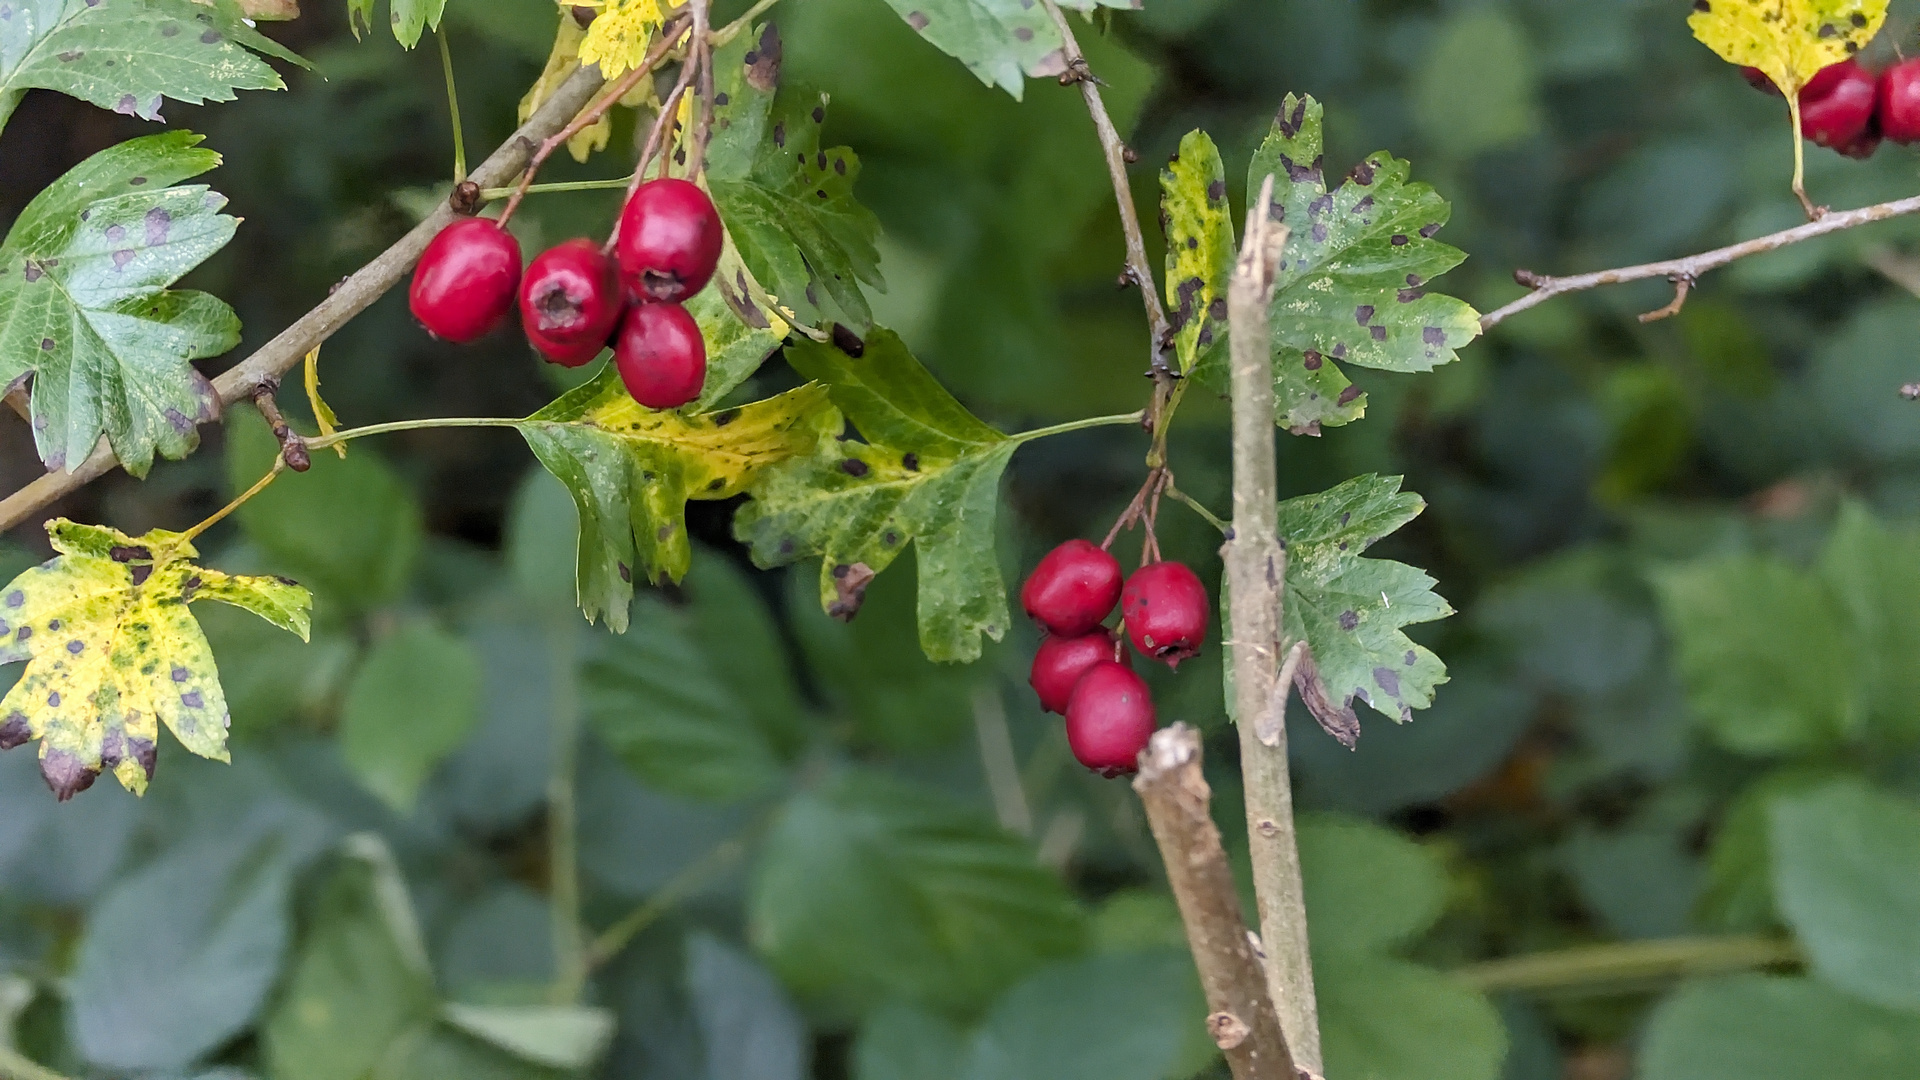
465 281
670 237
1165 609
1837 106
570 301
1060 661
1074 587
661 356
1109 719
1898 107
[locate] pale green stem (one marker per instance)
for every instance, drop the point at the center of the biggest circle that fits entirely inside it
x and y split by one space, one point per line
563 847
323 441
616 937
17 1066
493 193
1078 425
1197 508
1628 964
453 107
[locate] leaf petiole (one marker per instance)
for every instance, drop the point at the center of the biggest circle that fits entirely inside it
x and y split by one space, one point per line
279 465
493 193
1195 506
453 107
1079 425
350 434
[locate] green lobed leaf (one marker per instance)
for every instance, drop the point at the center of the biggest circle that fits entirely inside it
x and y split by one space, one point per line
871 891
1369 889
928 472
1000 41
1386 1019
414 700
83 277
1737 895
1198 225
409 18
631 471
1351 610
127 55
750 1029
1845 862
1874 571
556 1036
1760 1027
1353 278
789 208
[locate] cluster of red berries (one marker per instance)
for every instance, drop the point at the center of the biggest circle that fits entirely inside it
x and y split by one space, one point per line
1082 669
575 301
1847 108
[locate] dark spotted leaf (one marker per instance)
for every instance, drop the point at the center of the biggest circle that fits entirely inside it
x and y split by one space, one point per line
1351 610
1000 41
631 471
409 18
787 201
112 650
83 277
924 470
126 55
1352 284
1790 40
1199 229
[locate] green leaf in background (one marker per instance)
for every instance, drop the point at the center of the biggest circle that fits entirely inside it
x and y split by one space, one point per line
1476 88
1846 860
1759 1027
126 55
1738 892
1373 890
696 699
1000 42
871 890
790 210
1198 224
1353 279
1352 610
1765 653
351 526
409 18
556 1036
631 471
414 700
927 472
749 1028
900 1042
1875 573
84 272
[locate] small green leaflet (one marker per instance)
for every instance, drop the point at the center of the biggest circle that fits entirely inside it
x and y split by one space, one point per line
126 55
1353 278
788 203
112 650
1000 41
1350 610
1199 228
928 472
631 471
83 282
410 18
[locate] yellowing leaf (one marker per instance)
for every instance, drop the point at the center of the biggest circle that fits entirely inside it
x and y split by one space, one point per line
618 38
560 64
1787 39
112 651
322 412
1199 230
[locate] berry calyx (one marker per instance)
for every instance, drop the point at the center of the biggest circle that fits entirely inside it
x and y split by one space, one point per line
569 299
1073 589
1060 661
1837 106
660 355
670 237
1898 107
1165 608
465 281
1109 719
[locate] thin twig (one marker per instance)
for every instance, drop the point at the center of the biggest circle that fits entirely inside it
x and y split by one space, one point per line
616 937
293 449
703 99
353 296
1241 1017
1693 266
1257 572
998 761
1681 287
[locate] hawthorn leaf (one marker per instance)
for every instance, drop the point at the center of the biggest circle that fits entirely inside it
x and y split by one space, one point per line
413 702
740 327
1790 40
1350 610
1000 41
1770 1027
83 279
409 18
789 208
112 651
1352 281
1199 228
631 471
928 471
127 55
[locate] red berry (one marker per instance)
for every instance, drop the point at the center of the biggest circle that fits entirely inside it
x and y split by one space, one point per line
661 356
1060 661
670 238
1165 609
1899 102
465 281
1759 80
570 299
1109 719
1836 108
1072 589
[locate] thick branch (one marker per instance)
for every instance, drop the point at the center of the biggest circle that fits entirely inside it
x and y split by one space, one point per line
354 295
1690 268
1240 1014
1256 574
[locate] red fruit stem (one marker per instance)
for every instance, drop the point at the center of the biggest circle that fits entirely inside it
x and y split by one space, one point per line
699 58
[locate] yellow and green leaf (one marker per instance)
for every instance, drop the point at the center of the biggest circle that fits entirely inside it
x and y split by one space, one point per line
1199 229
113 651
1790 40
